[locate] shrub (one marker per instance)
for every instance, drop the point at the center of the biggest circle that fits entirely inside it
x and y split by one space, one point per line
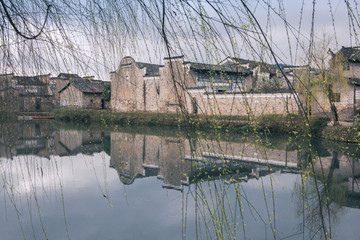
273 123
318 123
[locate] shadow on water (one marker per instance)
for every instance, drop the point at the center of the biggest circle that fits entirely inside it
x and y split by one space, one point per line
230 186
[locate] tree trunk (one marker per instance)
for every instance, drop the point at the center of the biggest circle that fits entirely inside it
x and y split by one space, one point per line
331 97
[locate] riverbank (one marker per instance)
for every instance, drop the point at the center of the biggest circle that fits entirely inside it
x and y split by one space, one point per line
342 133
268 123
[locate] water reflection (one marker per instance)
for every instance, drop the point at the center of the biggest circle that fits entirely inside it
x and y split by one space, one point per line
227 187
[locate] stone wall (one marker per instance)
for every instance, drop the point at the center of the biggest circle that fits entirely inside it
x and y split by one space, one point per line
71 97
345 106
354 70
127 87
177 88
92 100
243 104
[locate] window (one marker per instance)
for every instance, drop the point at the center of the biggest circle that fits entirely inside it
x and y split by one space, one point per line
91 100
346 67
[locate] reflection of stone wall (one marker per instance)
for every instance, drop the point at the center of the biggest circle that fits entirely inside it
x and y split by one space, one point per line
21 138
72 142
135 156
244 149
339 166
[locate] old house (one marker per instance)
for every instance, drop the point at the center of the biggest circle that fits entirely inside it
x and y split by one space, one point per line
82 93
59 82
178 85
344 65
136 86
140 86
25 93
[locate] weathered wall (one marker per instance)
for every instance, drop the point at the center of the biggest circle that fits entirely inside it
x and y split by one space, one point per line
35 104
92 100
10 100
244 104
71 97
152 97
59 84
345 106
127 87
353 72
174 77
131 91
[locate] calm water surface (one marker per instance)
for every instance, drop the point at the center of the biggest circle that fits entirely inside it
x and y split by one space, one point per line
151 184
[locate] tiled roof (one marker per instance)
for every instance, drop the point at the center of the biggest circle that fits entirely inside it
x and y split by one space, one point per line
218 68
30 81
264 67
151 69
86 86
355 81
68 76
351 54
241 61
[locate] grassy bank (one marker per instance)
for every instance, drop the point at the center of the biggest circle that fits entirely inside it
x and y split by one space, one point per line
268 124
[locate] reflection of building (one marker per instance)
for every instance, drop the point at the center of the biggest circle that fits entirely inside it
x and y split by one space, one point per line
172 160
41 139
26 138
137 156
72 142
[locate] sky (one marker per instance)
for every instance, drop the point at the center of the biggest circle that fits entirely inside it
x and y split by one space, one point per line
90 37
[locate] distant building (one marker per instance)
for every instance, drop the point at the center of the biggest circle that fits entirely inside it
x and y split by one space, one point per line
59 83
347 93
225 88
25 93
82 93
264 76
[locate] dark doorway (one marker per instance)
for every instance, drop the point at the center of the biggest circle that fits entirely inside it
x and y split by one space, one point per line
38 104
195 105
102 103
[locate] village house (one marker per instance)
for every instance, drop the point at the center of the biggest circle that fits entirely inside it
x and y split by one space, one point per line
346 63
59 82
178 85
136 86
83 93
265 76
25 93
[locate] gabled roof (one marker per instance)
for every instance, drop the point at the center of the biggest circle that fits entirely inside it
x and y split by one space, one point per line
355 81
350 54
152 70
68 76
218 68
239 61
250 64
85 86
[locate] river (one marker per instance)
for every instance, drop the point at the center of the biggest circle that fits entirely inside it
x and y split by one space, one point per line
61 182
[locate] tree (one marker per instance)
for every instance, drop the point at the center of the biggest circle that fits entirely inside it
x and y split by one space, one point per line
329 78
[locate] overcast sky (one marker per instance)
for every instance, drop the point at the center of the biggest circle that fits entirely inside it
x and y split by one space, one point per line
99 34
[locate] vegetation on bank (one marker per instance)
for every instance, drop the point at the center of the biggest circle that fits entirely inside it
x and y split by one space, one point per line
350 134
268 123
